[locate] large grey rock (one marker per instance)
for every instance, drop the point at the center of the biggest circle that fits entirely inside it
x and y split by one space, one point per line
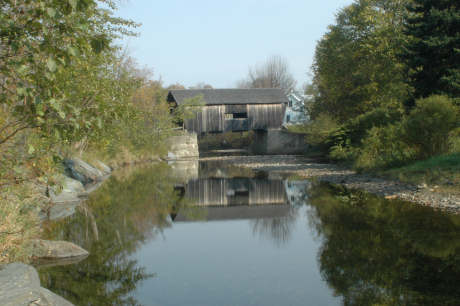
20 285
106 170
54 250
59 211
71 190
93 186
46 263
82 171
54 299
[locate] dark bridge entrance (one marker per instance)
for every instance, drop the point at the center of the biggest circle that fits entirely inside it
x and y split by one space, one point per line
233 110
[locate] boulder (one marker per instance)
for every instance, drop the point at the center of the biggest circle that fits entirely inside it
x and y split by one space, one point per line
55 250
60 210
53 299
70 192
20 285
82 171
103 167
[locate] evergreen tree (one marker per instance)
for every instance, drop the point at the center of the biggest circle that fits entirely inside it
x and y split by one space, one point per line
432 50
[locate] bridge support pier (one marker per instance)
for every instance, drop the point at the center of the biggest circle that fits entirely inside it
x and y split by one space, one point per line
277 141
184 146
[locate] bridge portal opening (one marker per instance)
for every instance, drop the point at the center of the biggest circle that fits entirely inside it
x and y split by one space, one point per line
240 115
230 116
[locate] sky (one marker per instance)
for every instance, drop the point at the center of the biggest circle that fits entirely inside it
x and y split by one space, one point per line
216 41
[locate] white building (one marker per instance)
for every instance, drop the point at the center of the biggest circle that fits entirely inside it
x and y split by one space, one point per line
295 110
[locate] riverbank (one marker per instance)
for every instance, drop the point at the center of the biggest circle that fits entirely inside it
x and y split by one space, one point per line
60 201
288 166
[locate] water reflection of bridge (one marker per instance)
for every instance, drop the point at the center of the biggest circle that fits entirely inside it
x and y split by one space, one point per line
241 212
236 198
216 190
235 191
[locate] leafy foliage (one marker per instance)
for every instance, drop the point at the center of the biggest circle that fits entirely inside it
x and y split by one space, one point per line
57 67
383 147
66 87
319 131
361 81
428 125
356 67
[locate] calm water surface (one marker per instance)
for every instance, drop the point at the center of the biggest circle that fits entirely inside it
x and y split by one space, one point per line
209 234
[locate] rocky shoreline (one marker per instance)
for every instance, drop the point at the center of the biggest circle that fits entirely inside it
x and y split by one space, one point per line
19 283
288 165
79 179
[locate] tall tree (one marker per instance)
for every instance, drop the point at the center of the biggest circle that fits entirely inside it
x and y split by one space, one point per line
356 67
432 50
274 73
59 71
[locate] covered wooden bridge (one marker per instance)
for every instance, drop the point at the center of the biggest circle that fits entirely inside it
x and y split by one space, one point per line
233 110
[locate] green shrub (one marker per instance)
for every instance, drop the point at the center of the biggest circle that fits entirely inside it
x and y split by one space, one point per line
345 142
357 128
319 134
318 131
383 147
428 125
343 152
454 141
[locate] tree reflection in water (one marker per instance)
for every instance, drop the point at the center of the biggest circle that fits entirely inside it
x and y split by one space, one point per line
377 252
374 252
126 211
278 230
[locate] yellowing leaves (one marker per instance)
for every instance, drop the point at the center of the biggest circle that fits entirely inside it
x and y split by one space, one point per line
51 64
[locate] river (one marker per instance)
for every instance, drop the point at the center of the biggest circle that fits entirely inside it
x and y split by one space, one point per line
209 233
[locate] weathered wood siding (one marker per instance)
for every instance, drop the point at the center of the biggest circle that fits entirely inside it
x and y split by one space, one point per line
265 116
237 191
211 119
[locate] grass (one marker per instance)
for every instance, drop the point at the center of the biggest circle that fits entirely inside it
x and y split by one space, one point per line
297 129
19 223
442 171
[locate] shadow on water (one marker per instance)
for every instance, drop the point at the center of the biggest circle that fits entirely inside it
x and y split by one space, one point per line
372 251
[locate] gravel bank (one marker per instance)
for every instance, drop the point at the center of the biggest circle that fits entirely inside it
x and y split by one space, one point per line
308 168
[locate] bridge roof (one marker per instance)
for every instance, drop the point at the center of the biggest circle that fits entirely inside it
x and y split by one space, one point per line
231 96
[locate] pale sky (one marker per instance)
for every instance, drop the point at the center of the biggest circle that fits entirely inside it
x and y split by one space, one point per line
215 41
